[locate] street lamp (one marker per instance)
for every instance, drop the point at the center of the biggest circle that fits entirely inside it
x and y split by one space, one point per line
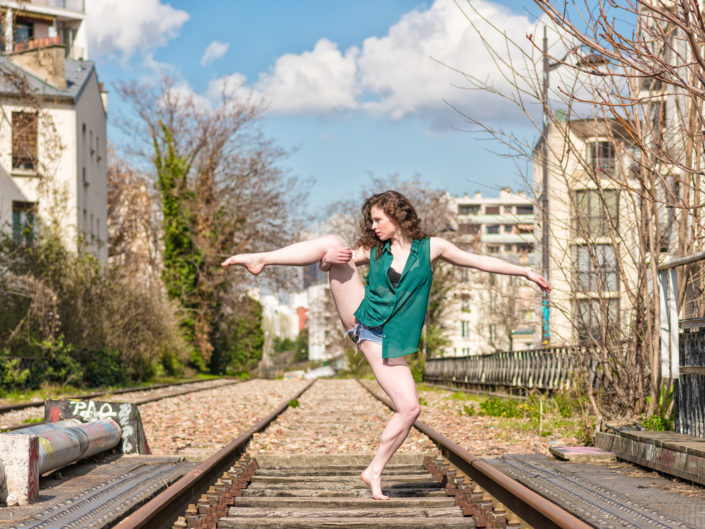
591 60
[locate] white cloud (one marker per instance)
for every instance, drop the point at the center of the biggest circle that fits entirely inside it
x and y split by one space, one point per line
318 81
411 69
215 50
407 71
124 27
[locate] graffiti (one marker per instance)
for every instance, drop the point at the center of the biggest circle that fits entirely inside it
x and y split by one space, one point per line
125 414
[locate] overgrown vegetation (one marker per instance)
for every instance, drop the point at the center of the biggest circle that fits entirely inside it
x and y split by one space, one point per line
67 319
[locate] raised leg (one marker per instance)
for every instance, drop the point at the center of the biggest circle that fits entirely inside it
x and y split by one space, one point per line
396 380
345 282
297 254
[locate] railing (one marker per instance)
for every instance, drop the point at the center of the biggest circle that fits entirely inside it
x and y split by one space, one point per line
682 347
37 43
72 5
544 369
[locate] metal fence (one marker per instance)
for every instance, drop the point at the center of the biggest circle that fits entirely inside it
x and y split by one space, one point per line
548 369
682 348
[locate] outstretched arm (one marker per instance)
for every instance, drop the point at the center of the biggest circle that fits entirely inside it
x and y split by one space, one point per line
449 252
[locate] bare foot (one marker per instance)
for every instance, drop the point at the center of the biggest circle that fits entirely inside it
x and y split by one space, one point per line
252 261
375 483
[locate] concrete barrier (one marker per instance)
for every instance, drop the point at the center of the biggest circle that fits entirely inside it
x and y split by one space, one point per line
26 454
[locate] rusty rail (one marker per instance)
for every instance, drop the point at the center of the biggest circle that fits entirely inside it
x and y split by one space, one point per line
532 507
162 510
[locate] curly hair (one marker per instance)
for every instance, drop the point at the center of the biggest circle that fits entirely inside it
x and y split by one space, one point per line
399 210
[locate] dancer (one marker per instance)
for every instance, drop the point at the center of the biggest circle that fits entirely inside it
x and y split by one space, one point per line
384 318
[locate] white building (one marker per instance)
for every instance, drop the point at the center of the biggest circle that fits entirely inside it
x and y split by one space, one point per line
490 312
53 159
34 23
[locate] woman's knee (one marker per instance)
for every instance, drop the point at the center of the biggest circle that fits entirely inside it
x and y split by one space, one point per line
331 241
410 411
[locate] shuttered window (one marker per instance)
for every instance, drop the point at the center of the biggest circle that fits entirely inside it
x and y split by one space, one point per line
24 140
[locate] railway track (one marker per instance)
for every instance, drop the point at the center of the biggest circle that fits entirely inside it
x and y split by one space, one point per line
301 469
141 396
233 489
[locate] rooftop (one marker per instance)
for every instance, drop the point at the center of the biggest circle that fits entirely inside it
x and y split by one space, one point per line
77 74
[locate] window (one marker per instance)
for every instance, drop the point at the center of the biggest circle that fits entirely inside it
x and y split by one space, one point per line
600 155
525 210
596 268
23 222
466 228
24 140
468 209
493 249
508 228
491 210
525 248
23 31
509 248
492 229
591 315
465 329
592 217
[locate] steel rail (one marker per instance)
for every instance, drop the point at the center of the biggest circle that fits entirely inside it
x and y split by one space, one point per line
35 403
162 510
530 506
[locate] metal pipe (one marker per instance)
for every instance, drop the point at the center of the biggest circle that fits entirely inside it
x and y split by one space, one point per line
682 261
64 442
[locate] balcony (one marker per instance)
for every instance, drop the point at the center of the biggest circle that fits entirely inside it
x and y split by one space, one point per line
36 43
70 5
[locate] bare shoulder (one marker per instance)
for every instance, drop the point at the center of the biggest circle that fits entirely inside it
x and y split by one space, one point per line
437 246
361 255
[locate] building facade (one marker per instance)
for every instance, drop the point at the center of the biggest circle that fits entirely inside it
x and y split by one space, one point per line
53 135
593 246
488 312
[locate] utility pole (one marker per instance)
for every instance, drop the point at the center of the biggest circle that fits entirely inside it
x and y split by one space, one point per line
545 309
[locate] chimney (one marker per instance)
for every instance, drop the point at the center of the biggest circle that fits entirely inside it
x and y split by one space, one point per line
48 63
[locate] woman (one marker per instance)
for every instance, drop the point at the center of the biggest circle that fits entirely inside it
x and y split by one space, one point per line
385 318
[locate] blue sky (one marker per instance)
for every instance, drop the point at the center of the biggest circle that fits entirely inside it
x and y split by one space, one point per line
353 87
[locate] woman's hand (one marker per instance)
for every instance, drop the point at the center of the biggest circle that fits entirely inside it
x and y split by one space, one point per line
336 255
539 280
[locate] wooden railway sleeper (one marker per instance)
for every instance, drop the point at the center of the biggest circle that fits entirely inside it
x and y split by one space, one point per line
215 502
470 497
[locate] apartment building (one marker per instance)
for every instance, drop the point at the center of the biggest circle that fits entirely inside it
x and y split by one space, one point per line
53 135
489 312
593 247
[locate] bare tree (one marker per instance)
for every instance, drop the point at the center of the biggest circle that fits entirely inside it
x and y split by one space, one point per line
623 148
221 190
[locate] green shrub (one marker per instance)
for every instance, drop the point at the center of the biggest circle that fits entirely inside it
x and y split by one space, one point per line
62 365
294 403
656 423
423 401
469 411
104 369
11 376
494 407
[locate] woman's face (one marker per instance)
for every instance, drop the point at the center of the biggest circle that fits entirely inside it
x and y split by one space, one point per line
382 225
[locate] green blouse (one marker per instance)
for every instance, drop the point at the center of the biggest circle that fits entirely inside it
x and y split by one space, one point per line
402 311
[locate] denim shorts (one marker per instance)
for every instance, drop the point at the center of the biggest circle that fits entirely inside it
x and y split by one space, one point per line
362 332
